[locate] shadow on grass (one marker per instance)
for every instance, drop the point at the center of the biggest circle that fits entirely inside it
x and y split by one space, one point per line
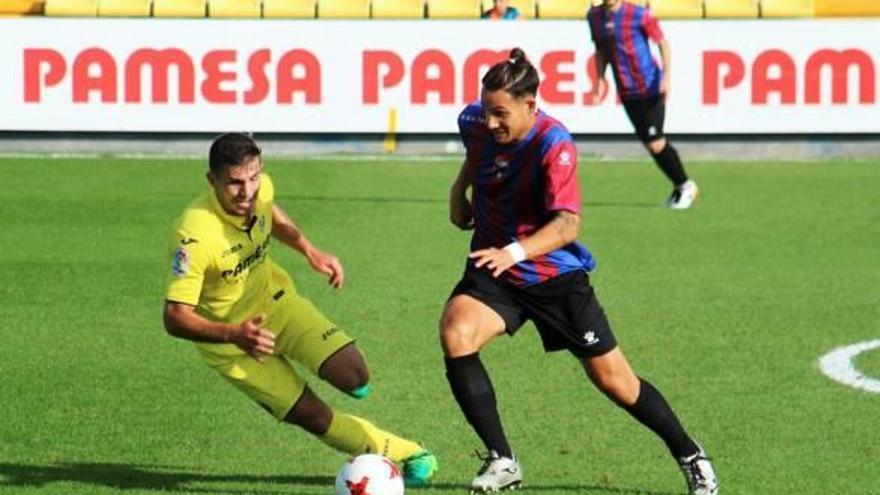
165 478
404 200
146 477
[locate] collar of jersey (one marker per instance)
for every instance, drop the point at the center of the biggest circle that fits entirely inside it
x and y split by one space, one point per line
241 223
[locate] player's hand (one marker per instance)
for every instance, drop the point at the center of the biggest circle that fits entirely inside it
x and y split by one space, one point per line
496 260
599 90
665 86
328 265
461 213
254 339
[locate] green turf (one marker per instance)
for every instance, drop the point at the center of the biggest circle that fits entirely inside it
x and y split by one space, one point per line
725 307
868 363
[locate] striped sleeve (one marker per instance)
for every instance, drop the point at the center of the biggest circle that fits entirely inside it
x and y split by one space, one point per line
560 171
651 27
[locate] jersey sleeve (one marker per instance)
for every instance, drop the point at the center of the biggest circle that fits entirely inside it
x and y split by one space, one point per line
187 264
560 170
267 189
651 27
467 119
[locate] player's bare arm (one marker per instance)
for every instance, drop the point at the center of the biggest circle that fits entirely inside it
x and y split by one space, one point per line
461 212
182 321
286 231
601 60
666 58
562 230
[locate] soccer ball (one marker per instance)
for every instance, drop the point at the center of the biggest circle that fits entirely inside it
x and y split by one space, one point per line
369 474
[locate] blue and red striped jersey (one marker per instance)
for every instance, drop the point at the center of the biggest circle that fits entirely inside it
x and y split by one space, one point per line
517 189
625 34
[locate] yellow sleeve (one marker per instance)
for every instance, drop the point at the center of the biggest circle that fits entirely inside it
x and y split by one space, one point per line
267 189
187 265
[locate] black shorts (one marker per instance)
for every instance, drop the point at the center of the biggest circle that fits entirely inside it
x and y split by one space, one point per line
564 309
647 117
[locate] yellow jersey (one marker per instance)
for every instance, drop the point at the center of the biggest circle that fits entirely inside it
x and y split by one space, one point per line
220 262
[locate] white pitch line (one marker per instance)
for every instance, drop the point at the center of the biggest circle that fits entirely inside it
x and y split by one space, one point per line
838 365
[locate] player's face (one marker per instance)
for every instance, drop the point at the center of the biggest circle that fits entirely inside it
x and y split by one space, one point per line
501 5
237 187
509 118
610 4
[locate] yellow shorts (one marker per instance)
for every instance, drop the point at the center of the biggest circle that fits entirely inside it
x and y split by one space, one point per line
302 334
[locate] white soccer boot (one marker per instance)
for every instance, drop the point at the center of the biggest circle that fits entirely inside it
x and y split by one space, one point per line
498 473
699 474
683 196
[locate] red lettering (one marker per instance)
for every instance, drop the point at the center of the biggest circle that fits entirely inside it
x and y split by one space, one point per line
763 83
372 60
549 88
159 62
84 82
473 71
309 83
259 82
713 61
215 77
443 83
839 62
34 61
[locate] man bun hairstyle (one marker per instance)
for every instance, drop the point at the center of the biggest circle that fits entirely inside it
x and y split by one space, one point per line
516 75
230 149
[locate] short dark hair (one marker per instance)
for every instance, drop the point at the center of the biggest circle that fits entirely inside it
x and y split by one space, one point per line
230 149
516 75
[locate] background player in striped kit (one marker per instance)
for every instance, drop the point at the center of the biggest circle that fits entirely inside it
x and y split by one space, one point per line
621 32
526 263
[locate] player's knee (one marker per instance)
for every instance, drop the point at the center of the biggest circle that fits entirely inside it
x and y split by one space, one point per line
618 387
656 146
347 371
458 337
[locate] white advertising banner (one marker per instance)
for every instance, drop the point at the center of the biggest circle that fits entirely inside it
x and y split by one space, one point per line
762 76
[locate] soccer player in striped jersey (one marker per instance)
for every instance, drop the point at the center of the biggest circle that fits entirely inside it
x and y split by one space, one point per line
526 264
621 32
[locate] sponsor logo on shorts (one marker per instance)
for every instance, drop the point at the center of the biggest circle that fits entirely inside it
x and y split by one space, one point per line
327 334
590 338
180 262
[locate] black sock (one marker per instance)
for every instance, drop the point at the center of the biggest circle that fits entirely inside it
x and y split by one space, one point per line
652 411
474 393
670 164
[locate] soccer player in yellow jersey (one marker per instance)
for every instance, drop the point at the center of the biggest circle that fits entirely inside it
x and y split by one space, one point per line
248 321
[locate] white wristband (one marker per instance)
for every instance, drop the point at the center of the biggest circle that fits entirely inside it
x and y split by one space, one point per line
516 251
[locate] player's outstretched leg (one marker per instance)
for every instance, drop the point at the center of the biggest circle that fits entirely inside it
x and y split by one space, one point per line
354 436
612 374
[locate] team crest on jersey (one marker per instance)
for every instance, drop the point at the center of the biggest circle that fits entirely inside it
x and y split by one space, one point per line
180 262
501 162
565 158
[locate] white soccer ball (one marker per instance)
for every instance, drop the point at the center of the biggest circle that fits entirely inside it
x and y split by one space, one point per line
369 474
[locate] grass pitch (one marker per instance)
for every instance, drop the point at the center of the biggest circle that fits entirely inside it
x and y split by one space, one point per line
725 308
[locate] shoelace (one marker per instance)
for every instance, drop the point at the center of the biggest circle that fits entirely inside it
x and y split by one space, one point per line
695 475
487 459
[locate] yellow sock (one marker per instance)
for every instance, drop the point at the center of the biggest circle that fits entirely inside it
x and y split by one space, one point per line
354 435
